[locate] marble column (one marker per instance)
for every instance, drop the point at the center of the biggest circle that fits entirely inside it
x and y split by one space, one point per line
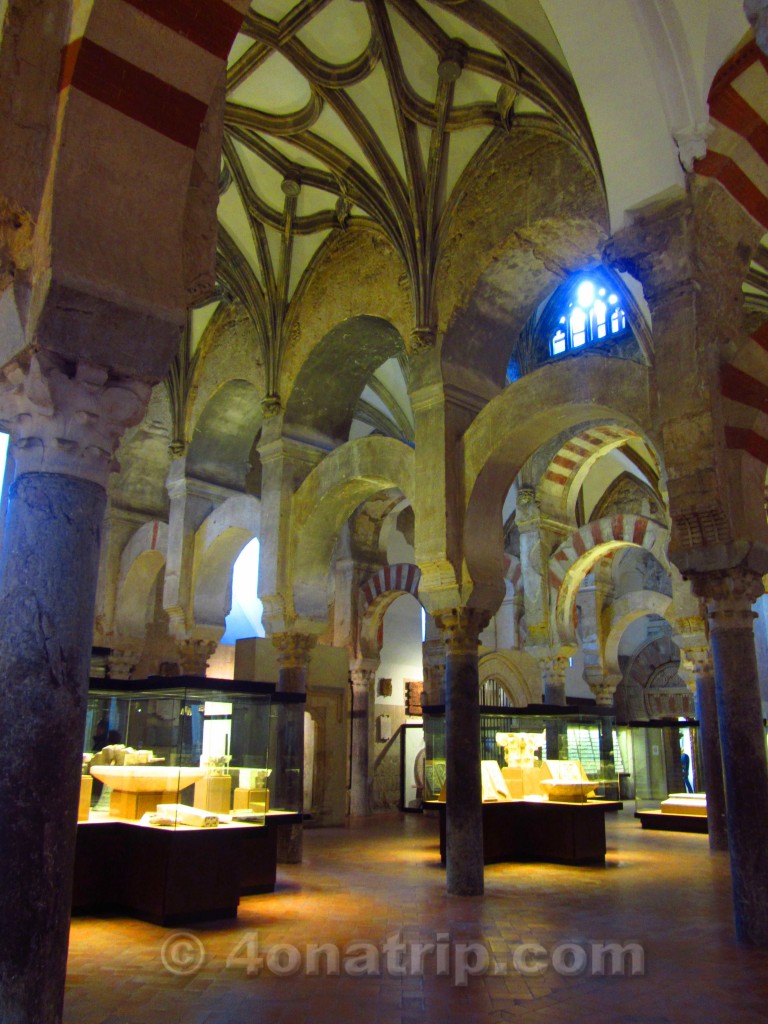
362 676
461 628
65 422
729 596
709 740
293 653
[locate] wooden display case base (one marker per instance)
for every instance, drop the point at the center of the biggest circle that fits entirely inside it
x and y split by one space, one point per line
673 822
173 876
527 830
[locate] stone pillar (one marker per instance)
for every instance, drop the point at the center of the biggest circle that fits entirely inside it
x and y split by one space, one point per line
293 654
729 596
709 737
461 628
65 423
363 676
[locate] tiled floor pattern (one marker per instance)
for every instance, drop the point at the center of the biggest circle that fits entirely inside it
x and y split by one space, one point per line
381 878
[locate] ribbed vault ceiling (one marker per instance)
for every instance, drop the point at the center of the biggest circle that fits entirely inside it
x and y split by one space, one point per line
340 110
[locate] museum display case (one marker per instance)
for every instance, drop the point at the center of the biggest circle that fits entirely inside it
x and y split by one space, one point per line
668 774
181 776
549 775
541 753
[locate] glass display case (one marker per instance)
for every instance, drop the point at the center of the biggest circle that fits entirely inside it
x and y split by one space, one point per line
182 776
198 754
667 772
532 747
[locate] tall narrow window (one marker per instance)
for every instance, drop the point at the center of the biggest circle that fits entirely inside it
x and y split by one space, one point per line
244 619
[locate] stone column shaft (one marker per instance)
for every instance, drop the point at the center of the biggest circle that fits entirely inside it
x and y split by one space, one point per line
464 809
65 423
360 780
293 654
729 598
47 590
709 736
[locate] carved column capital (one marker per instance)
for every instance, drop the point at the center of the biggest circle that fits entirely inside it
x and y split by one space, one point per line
728 596
527 511
293 649
67 418
603 685
194 655
123 658
362 674
461 627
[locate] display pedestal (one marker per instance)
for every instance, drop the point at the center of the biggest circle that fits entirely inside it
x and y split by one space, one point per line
251 799
214 793
665 822
173 876
564 833
124 804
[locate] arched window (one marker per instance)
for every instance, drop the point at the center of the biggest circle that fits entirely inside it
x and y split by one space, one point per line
589 311
244 619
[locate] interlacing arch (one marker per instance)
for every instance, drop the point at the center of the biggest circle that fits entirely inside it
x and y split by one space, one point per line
579 553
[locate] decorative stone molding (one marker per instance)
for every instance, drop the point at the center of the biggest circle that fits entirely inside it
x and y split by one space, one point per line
194 654
423 338
461 628
692 142
66 418
729 597
293 649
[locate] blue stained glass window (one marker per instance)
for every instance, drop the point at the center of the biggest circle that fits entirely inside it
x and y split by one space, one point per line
591 312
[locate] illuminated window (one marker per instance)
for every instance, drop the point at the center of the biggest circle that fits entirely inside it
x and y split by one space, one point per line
244 619
591 312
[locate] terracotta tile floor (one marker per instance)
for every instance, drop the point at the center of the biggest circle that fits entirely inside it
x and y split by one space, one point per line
380 878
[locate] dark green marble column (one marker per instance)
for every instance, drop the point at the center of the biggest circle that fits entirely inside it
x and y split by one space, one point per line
709 738
729 598
48 573
293 654
464 823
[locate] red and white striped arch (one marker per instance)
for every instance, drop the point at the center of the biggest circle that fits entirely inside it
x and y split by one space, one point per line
376 595
582 550
557 492
738 147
